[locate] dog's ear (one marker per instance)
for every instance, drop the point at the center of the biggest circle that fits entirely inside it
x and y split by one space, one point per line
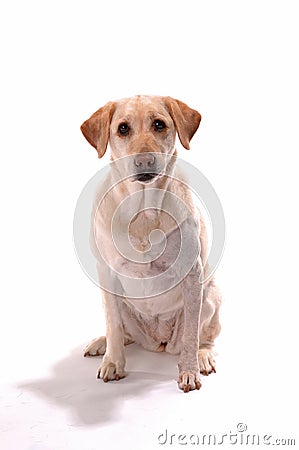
96 129
186 120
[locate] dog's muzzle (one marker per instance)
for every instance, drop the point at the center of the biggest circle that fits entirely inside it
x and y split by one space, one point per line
145 167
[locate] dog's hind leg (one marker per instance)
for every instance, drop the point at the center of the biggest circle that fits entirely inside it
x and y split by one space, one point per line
209 328
97 346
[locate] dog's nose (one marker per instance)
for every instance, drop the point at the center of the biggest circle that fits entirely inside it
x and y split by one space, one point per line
144 161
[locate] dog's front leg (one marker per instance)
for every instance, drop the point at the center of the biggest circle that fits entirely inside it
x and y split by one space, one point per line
189 371
113 364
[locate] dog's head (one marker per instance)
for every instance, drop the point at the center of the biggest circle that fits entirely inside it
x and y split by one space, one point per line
143 127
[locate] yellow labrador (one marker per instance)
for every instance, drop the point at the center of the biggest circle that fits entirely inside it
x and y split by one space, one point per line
159 299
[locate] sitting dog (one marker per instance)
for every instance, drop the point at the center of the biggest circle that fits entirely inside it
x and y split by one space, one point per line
157 298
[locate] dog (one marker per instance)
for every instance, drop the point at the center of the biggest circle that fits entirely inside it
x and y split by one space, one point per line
145 204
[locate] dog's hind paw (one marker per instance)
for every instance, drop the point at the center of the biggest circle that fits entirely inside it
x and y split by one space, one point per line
96 347
206 361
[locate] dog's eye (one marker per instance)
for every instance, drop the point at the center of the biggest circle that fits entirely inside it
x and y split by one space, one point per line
123 129
159 125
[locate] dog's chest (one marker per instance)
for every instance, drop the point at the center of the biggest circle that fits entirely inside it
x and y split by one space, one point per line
148 229
151 285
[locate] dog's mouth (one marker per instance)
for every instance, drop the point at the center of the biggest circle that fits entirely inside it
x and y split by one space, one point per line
145 177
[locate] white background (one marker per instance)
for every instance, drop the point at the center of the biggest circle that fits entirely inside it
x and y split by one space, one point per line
237 63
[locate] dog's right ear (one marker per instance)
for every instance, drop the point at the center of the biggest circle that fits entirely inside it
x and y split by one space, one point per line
96 129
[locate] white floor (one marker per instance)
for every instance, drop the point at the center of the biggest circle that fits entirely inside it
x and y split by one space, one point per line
51 400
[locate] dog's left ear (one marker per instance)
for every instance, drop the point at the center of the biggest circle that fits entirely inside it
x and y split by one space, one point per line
186 120
96 129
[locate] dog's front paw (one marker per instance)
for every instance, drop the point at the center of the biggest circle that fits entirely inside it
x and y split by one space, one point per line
189 380
206 361
112 369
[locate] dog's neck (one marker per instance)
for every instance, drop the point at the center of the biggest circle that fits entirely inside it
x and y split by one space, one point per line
134 210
